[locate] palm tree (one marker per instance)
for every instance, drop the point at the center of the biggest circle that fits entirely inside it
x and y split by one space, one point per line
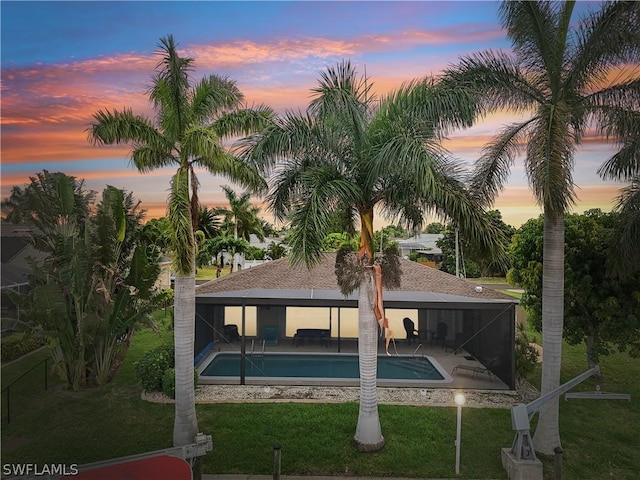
569 79
209 222
191 122
625 166
345 155
242 216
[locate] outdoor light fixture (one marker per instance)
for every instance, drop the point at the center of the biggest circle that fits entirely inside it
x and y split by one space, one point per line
459 399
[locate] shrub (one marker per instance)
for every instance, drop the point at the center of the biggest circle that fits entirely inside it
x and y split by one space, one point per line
169 382
526 354
151 367
18 344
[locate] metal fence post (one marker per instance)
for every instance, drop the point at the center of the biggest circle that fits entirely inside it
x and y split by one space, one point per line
8 407
276 461
558 463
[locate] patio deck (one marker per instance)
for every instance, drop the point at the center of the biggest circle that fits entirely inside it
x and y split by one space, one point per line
447 359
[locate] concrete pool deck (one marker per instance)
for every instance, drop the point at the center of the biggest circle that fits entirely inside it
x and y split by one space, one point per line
480 390
448 360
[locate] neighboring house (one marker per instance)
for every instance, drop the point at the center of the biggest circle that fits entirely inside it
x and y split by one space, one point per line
166 273
254 241
423 244
481 319
16 249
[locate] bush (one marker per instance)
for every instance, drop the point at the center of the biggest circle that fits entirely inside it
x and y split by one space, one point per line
526 354
169 382
151 367
16 345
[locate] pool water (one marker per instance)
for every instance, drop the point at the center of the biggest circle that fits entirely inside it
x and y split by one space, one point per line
319 366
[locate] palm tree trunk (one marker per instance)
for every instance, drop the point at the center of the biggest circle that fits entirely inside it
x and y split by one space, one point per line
368 435
185 426
547 435
236 256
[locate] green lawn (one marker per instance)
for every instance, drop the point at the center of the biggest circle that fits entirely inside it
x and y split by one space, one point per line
209 272
599 437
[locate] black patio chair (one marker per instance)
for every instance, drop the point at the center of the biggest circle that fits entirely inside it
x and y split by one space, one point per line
410 328
231 333
439 337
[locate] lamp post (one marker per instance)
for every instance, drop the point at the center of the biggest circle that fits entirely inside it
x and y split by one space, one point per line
459 399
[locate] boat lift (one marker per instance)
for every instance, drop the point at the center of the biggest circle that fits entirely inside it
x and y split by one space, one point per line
522 448
520 460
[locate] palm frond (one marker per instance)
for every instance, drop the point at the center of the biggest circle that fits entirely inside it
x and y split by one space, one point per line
213 96
235 169
286 187
244 121
170 88
341 89
497 80
147 158
624 253
623 96
309 223
182 238
549 161
344 98
287 136
453 202
322 190
432 107
115 127
494 165
538 32
625 164
606 38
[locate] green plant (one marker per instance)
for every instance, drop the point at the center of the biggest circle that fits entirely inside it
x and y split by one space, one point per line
18 344
526 354
169 382
150 369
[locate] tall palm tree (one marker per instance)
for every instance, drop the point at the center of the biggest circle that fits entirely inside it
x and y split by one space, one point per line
192 120
242 216
625 166
568 78
347 153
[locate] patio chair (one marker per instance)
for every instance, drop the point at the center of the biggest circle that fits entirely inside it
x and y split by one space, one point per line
231 333
439 337
479 368
409 327
270 335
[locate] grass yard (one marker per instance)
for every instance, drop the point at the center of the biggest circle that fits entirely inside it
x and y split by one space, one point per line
599 437
210 271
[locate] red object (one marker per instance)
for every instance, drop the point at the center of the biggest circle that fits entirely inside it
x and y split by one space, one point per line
162 467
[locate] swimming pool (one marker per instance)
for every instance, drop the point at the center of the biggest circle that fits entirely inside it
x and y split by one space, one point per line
319 369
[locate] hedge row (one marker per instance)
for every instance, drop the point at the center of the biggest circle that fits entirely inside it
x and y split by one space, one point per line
16 345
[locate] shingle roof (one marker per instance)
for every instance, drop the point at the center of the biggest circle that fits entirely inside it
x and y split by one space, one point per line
280 275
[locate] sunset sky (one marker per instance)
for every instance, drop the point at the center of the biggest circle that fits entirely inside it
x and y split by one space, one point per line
63 61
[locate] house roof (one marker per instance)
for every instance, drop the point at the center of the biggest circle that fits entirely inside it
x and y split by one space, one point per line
16 246
424 242
13 276
278 282
12 246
